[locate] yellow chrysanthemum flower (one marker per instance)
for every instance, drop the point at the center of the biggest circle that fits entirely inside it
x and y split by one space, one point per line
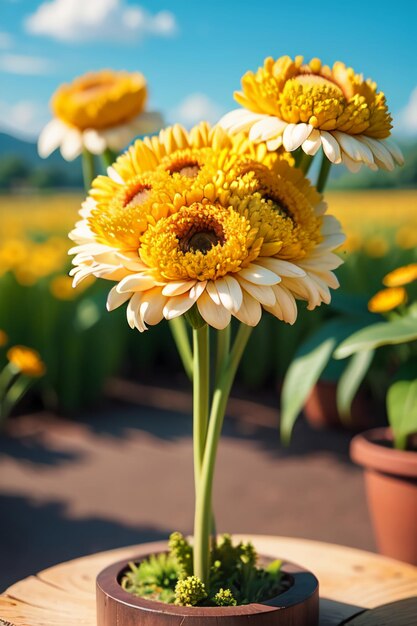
27 361
401 276
208 219
295 104
97 111
387 300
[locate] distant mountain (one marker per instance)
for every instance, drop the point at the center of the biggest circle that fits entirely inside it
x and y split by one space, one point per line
20 155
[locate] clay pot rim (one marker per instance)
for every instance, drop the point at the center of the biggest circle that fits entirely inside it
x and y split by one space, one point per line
366 450
305 585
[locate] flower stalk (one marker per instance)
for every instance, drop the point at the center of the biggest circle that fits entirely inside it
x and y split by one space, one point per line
204 488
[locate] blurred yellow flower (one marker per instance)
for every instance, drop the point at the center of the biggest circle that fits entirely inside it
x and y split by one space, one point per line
97 111
406 237
401 276
27 361
387 299
376 246
309 105
3 338
61 287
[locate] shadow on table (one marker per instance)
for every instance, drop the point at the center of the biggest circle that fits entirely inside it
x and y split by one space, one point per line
35 536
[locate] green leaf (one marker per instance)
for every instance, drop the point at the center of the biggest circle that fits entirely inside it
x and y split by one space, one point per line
402 410
306 368
381 334
350 382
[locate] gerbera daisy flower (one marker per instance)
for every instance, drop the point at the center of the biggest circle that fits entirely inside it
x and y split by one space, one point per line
206 219
295 104
96 111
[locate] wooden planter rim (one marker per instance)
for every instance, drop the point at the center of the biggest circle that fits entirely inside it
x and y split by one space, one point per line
305 584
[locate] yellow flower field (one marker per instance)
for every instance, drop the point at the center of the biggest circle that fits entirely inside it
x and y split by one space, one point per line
34 243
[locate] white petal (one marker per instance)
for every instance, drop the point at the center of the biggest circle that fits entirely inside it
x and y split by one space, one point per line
116 299
354 149
115 176
132 313
250 312
266 128
261 293
214 314
285 307
353 166
151 306
177 288
282 268
312 144
230 293
197 290
274 144
135 282
94 141
259 275
382 155
394 150
330 225
213 293
178 305
295 135
239 120
72 144
51 137
331 147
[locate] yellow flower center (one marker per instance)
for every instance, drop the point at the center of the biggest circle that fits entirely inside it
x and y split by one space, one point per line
283 215
100 100
122 219
328 99
202 241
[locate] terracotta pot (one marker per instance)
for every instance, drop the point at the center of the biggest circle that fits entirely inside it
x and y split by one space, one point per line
298 605
320 409
391 486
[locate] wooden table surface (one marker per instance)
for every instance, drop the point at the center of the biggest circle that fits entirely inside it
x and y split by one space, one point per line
350 582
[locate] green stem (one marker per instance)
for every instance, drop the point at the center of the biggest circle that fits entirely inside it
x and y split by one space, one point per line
223 347
201 386
15 392
324 173
203 510
179 331
88 168
108 158
305 161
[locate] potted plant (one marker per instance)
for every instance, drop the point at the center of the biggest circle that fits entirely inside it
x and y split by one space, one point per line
199 227
389 455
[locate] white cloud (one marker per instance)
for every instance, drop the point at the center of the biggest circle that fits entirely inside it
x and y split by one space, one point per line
105 20
195 108
6 40
23 119
406 120
25 65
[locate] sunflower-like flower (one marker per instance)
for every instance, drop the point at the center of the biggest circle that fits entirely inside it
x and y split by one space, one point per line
206 219
99 110
295 104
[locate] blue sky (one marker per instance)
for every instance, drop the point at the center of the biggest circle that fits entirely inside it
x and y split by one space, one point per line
194 53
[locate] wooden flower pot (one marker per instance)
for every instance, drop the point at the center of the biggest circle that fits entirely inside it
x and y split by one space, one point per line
299 605
391 486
